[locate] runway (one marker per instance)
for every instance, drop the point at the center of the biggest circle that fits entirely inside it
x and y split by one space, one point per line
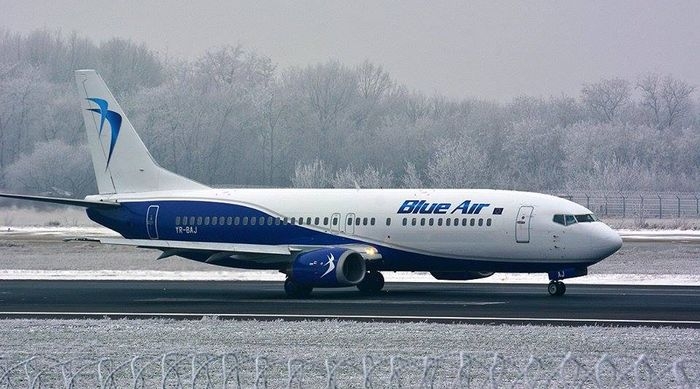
399 302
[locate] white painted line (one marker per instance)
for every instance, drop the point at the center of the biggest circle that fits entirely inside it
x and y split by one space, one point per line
258 275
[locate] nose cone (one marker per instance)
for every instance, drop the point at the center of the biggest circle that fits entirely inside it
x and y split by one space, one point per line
608 241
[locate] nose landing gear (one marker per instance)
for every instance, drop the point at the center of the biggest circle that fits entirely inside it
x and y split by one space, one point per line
556 288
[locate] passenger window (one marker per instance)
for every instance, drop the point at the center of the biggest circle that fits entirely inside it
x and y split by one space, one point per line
285 221
177 221
364 221
471 222
221 220
431 221
229 221
413 221
349 221
372 221
245 220
439 221
236 221
214 221
456 223
191 220
184 220
357 221
325 221
335 221
481 222
199 220
308 221
447 221
388 221
488 222
206 221
253 221
317 220
404 222
422 221
559 219
269 220
278 221
464 222
261 220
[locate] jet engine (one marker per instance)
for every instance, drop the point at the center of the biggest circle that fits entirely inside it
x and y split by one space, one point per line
460 275
328 268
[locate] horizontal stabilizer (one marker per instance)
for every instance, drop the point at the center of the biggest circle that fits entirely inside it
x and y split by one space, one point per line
64 201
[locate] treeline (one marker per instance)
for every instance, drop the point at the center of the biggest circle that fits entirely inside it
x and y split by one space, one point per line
232 117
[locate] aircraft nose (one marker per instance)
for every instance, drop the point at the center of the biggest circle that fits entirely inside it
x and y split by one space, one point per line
609 241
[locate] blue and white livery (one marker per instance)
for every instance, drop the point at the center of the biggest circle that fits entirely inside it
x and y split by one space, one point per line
327 237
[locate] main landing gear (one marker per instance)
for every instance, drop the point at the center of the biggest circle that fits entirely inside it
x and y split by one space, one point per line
372 283
556 288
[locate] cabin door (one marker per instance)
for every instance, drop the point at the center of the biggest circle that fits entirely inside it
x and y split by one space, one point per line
152 221
522 225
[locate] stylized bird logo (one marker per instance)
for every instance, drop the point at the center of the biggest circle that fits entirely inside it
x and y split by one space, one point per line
331 264
114 119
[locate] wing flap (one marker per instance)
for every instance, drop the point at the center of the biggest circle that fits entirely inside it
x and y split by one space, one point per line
174 245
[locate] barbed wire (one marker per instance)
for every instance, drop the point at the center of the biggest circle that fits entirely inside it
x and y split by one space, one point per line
241 370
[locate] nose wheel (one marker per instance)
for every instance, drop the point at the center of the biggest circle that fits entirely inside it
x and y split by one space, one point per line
556 288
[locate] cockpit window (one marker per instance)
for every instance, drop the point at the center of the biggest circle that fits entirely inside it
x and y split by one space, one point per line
570 219
559 219
567 220
585 218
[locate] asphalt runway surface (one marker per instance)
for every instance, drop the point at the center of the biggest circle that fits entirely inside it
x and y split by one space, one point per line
399 302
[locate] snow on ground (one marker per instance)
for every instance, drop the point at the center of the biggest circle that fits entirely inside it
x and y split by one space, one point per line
31 254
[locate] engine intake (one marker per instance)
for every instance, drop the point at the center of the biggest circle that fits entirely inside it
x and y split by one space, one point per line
328 268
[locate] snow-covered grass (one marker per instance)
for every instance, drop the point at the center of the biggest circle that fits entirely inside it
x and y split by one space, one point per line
314 339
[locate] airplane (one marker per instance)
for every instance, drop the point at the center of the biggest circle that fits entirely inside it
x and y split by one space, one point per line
326 238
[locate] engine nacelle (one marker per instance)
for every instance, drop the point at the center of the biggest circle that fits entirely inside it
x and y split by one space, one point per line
460 275
329 268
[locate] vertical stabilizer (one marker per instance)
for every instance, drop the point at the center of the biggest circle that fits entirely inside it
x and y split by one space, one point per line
121 161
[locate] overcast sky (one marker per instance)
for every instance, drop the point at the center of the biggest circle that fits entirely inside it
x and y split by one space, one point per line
490 49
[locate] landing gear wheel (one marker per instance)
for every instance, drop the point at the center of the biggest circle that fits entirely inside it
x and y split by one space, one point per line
556 288
372 283
294 290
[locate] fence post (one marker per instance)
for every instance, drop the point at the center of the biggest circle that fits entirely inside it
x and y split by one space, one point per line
624 206
641 205
697 205
605 199
661 212
679 206
588 201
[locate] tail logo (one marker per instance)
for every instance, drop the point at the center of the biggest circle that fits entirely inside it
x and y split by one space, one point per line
114 119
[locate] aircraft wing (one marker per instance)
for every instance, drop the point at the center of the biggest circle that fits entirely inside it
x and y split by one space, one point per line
220 251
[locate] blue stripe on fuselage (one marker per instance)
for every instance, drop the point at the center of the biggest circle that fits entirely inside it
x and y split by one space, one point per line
130 220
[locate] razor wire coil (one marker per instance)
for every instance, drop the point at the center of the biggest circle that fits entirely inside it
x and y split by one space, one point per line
241 370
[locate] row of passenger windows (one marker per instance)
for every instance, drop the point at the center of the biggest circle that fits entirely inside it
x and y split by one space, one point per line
447 221
316 221
567 220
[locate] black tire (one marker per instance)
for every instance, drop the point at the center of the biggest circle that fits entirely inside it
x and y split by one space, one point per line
372 283
294 290
556 288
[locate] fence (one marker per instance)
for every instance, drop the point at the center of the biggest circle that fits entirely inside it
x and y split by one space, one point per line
239 370
640 205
